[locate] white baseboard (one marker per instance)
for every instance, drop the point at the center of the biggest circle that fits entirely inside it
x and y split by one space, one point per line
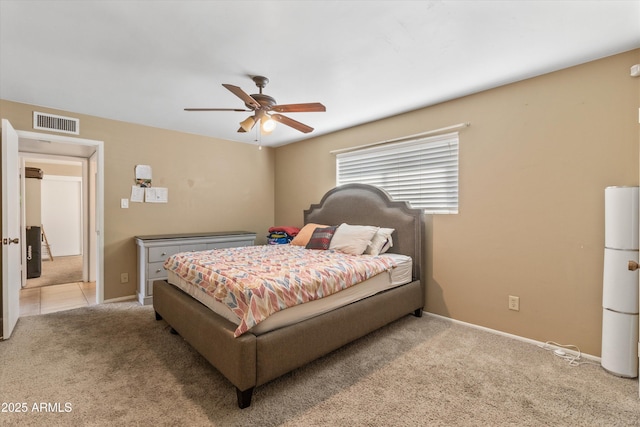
517 337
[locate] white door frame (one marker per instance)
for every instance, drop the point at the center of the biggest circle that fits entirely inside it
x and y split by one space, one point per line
97 225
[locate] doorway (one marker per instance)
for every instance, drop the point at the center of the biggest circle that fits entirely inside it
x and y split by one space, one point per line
54 204
73 170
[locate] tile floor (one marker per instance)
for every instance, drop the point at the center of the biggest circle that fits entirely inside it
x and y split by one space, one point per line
49 299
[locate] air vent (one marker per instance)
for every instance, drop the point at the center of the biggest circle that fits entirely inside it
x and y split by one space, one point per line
55 123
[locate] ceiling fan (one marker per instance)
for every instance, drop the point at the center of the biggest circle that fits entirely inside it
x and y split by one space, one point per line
265 109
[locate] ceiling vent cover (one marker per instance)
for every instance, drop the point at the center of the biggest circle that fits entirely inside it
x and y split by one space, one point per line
55 123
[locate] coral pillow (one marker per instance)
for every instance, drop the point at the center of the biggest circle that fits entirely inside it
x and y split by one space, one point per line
304 235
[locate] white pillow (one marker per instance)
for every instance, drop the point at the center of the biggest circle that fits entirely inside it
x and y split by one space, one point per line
352 239
381 242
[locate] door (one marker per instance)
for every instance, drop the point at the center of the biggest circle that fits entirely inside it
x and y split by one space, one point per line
11 271
62 214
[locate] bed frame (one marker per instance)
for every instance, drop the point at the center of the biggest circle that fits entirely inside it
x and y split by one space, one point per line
251 360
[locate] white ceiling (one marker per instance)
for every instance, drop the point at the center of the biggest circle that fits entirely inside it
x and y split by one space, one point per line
144 61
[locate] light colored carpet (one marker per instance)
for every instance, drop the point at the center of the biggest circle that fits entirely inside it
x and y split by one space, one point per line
114 364
63 269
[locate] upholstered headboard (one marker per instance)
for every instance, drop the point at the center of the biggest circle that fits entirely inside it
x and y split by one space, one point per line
361 204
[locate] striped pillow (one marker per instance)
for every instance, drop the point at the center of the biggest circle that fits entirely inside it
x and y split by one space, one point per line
321 238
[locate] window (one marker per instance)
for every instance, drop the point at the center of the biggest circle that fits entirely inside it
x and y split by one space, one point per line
423 172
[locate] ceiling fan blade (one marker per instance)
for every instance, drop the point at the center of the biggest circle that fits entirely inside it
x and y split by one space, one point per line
247 99
215 109
292 123
299 108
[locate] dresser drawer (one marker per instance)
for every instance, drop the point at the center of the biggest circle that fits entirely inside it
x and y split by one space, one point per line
155 270
161 253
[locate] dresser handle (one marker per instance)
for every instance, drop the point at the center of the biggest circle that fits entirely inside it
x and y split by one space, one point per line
164 253
158 270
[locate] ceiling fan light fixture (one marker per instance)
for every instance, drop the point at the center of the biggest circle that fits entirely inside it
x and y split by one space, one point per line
268 124
247 124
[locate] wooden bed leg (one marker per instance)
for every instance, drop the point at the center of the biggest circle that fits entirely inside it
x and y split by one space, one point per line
244 397
418 312
158 317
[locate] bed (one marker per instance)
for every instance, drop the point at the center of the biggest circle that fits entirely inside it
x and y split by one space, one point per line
253 358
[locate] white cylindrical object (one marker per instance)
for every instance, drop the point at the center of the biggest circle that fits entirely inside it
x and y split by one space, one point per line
620 343
619 284
621 217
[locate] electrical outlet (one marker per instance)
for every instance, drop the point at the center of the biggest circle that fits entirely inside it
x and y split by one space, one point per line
124 277
514 303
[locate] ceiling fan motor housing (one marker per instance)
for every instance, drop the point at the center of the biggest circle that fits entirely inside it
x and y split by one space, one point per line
265 101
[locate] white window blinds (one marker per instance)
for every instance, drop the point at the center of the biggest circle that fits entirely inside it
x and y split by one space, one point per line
423 172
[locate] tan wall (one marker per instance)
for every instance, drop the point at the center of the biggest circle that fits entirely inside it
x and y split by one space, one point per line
214 185
533 168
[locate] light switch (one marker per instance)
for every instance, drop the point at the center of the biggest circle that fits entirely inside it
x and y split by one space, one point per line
124 203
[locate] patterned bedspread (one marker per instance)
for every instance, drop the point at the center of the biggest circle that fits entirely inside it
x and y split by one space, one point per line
257 281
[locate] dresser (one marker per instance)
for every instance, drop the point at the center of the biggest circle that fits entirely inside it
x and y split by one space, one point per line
154 250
